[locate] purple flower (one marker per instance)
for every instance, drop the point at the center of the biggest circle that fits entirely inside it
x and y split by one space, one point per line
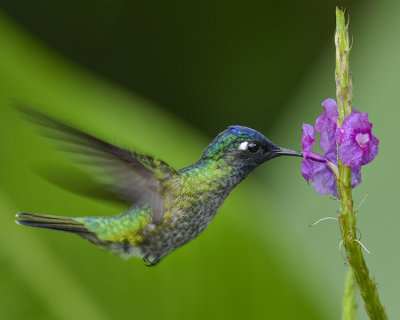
308 138
357 147
307 142
326 124
313 166
323 180
329 118
357 144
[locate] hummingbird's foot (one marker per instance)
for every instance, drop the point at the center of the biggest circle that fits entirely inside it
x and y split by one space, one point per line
151 261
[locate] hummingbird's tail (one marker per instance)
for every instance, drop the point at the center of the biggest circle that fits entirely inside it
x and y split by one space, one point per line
111 233
65 224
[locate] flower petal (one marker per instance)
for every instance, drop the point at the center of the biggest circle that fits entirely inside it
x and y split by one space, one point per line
307 169
308 138
323 180
327 140
351 154
372 150
357 144
329 118
355 177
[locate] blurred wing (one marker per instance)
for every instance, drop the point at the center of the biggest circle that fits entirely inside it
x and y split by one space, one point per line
134 177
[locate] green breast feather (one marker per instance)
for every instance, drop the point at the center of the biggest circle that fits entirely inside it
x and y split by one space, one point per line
184 192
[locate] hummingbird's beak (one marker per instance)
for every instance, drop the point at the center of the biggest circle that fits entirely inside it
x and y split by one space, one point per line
287 152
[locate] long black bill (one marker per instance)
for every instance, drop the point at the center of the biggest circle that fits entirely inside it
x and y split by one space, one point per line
287 152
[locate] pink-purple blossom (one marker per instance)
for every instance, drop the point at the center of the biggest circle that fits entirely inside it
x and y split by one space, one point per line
357 147
308 165
323 180
314 166
326 125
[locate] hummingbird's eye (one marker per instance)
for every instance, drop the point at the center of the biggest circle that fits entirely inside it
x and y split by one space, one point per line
253 147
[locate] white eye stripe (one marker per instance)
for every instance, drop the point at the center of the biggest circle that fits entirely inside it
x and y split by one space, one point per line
243 145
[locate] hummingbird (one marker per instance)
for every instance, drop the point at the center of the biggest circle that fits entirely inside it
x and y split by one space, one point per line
168 207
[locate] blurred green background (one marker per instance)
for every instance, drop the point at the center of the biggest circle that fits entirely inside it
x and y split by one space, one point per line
164 78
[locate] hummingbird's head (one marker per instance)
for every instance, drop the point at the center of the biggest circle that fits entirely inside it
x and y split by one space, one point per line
244 147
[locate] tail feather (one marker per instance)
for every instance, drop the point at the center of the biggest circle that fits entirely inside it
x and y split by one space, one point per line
59 223
72 225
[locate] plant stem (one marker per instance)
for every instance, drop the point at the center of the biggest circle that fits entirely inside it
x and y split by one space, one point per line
348 302
347 216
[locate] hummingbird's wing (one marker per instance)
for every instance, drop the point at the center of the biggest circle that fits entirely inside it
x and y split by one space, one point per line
134 177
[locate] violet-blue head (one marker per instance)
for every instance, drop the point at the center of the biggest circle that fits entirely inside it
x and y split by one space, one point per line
244 148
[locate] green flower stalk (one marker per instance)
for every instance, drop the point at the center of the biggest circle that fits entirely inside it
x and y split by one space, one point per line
348 301
348 144
347 216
